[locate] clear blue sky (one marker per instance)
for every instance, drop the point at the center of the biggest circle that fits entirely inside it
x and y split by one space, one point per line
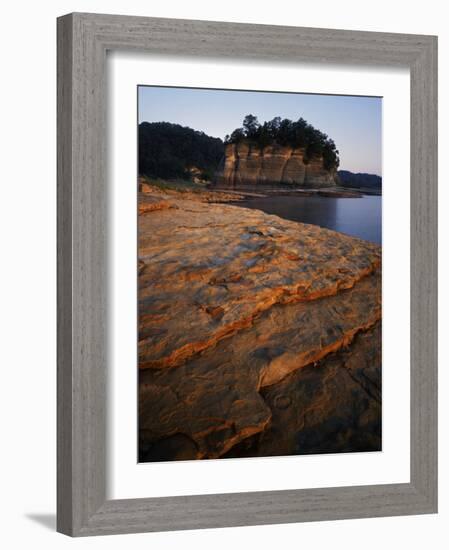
354 123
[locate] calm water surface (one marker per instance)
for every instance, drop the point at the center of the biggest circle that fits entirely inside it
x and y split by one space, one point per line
360 217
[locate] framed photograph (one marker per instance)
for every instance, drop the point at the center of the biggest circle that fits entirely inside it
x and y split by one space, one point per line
247 280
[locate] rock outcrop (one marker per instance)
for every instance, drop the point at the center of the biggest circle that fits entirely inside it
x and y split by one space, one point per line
248 165
257 336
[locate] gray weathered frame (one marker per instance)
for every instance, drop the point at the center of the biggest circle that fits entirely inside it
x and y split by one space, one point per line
83 40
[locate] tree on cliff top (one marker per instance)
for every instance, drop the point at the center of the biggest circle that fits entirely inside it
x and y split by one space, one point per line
297 134
251 126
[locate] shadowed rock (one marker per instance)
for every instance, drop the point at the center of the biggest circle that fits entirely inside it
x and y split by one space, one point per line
333 406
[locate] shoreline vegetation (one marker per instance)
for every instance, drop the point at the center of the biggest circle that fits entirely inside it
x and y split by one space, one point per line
258 336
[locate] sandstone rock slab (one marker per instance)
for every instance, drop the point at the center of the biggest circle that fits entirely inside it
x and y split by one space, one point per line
214 268
235 305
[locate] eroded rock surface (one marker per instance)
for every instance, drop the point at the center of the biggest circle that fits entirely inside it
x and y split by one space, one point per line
235 309
331 406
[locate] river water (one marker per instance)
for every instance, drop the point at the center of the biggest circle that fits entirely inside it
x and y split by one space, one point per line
359 217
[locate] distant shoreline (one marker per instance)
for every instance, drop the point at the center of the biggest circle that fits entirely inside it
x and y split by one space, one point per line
258 191
331 192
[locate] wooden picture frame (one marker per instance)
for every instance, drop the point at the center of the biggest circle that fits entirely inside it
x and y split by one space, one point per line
83 40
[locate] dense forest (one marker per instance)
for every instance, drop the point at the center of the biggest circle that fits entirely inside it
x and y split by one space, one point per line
288 133
360 180
169 151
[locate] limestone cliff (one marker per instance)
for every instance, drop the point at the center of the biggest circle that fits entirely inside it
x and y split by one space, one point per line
247 165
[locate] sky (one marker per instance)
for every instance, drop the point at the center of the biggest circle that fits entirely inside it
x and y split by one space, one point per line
354 123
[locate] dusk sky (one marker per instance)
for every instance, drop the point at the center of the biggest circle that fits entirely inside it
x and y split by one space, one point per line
354 123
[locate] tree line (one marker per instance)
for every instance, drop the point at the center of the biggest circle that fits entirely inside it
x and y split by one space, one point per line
359 180
168 151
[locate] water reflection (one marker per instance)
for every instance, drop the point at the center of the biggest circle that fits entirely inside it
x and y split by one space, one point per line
359 217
